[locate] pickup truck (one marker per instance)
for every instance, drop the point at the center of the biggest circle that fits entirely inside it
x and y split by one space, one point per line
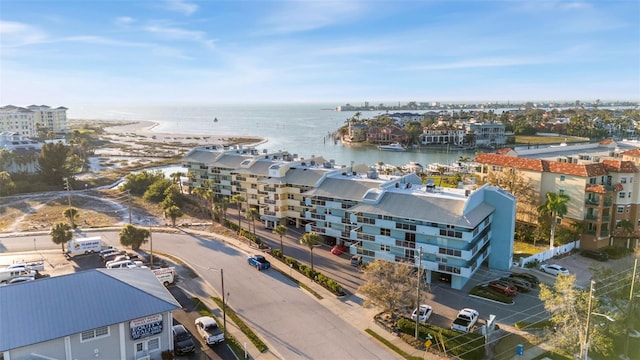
208 329
465 321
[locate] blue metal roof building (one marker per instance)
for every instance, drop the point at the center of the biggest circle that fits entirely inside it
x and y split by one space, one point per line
101 313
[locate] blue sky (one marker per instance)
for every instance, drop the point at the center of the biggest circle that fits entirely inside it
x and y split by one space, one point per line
183 51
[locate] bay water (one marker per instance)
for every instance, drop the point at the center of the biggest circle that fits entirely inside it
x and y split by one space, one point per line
302 129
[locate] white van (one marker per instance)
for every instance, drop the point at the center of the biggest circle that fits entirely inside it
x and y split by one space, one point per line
125 264
80 246
7 274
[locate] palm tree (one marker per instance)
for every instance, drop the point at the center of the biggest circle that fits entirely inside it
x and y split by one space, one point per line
253 214
133 236
311 239
61 234
282 231
208 196
555 207
173 212
238 200
71 213
626 227
176 177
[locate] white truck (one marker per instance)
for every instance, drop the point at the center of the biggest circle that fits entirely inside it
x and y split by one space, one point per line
80 246
7 274
166 275
465 321
209 330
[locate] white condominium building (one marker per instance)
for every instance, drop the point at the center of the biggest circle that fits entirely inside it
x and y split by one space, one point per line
26 120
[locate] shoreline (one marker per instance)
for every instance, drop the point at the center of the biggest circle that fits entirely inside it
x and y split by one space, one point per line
146 129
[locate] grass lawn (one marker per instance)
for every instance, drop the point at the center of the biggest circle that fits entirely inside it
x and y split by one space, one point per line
524 249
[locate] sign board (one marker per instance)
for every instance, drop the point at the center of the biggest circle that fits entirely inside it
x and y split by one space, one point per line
146 326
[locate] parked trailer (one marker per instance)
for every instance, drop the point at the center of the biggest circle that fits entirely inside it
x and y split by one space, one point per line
88 245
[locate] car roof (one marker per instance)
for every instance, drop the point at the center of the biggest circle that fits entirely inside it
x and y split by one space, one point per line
179 329
206 320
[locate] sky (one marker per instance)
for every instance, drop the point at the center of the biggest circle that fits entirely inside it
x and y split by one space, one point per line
65 52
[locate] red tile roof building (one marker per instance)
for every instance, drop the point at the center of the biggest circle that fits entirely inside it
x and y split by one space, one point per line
601 193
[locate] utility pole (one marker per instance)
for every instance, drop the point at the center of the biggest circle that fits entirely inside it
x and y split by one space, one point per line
418 290
129 203
585 351
630 307
224 305
68 188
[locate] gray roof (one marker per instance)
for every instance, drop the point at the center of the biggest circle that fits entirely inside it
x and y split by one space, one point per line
70 304
260 167
300 176
346 188
439 209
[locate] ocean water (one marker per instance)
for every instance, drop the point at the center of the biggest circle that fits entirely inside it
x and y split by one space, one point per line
301 129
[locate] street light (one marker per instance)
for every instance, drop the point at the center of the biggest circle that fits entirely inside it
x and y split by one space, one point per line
630 308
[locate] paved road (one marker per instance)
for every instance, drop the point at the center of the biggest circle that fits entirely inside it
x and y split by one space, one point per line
292 322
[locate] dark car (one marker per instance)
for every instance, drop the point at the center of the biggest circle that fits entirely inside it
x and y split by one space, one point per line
503 287
532 279
595 254
182 340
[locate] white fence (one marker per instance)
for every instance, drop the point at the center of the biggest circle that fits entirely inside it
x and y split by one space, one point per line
548 254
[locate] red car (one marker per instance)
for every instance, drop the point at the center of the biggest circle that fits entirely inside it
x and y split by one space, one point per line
339 249
504 288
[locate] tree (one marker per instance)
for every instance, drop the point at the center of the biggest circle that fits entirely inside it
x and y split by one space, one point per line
173 212
7 186
253 214
138 183
61 234
519 186
176 177
388 285
133 236
220 209
554 207
282 231
238 200
156 191
53 162
71 214
569 308
311 239
625 227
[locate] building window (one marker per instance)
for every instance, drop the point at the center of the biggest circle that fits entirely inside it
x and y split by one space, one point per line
592 181
620 209
94 334
623 180
561 191
384 247
411 237
621 195
385 232
147 346
562 178
629 195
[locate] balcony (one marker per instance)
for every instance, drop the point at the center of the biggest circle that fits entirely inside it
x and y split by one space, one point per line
591 217
592 202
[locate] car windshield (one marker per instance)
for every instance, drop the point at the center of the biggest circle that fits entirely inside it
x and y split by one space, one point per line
182 336
261 259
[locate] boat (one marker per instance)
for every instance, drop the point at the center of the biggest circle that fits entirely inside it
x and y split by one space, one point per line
392 147
215 119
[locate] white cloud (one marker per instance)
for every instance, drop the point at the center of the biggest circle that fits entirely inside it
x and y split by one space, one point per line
180 34
20 34
180 6
309 15
482 63
124 20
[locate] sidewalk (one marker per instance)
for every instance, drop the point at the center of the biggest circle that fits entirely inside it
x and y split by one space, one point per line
348 308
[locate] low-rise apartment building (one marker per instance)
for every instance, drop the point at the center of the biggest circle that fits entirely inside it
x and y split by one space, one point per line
379 217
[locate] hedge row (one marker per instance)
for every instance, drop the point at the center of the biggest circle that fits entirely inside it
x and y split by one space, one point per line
312 274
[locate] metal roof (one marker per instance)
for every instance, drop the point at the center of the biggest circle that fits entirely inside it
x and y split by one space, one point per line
439 209
69 304
344 187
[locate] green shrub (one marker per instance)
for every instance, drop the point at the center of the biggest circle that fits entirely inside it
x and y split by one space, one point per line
532 264
466 346
276 253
